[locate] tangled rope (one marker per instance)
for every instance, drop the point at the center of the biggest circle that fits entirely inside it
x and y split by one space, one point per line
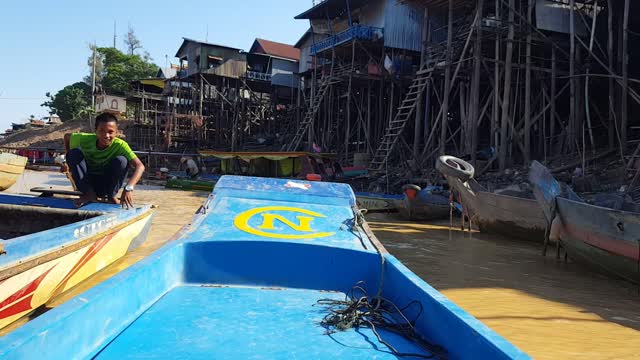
359 310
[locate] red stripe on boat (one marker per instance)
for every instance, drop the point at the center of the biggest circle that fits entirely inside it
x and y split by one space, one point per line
604 242
93 250
11 306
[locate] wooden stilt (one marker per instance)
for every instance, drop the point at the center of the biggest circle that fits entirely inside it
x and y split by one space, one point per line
447 81
527 90
506 96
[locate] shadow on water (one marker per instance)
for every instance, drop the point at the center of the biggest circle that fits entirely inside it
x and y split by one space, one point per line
487 261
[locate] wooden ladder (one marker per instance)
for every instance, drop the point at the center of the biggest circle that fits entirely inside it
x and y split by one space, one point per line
396 126
309 116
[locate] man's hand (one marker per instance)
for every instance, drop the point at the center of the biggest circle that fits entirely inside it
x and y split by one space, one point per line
64 168
126 199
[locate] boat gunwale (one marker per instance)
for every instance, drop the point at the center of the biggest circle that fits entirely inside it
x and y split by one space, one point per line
26 263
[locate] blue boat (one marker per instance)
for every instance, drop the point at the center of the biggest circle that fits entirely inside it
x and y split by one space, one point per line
269 269
379 202
47 246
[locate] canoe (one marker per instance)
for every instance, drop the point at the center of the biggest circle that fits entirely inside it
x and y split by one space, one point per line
11 167
257 275
430 203
378 202
48 247
604 238
502 214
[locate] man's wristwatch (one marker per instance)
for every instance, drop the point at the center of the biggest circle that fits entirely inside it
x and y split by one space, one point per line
128 188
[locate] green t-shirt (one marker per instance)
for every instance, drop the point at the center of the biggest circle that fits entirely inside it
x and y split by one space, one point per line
98 159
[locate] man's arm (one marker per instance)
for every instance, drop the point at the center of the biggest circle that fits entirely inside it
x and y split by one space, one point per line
67 141
138 167
126 199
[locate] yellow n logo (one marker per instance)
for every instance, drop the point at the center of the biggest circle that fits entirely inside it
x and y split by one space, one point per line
266 228
304 222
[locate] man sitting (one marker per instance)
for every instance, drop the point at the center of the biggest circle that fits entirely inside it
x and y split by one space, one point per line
99 162
192 168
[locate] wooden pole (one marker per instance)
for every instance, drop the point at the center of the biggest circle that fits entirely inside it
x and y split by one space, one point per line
572 79
611 108
527 90
447 81
496 84
368 131
506 95
417 128
586 79
625 74
475 85
348 125
552 100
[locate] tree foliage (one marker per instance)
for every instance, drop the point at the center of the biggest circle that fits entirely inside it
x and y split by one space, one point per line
119 69
69 102
114 71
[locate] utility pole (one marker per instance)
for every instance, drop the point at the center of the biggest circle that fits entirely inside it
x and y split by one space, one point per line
114 34
93 79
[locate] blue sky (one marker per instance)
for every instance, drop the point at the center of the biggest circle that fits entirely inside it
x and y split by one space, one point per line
44 43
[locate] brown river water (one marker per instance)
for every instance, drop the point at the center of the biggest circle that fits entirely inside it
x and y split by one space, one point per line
546 307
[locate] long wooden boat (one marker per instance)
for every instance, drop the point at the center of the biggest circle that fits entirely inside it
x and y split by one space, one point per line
11 167
47 247
497 213
602 237
264 271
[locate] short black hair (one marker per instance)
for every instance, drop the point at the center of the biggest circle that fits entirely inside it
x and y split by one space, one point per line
106 117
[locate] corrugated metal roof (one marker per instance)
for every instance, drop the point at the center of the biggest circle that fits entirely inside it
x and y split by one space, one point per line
276 49
331 9
187 40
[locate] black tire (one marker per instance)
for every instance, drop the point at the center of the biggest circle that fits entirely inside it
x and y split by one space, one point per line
452 166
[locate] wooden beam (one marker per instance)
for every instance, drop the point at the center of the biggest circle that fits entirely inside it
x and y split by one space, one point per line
506 95
552 100
625 74
496 85
474 117
527 91
572 80
447 81
611 111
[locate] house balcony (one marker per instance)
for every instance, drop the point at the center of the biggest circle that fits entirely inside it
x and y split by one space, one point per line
254 75
361 32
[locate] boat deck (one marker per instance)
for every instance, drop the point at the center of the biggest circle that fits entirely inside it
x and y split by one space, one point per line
205 321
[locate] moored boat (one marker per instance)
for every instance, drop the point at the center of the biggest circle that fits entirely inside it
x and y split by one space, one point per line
601 237
269 268
503 214
430 203
379 202
11 167
47 247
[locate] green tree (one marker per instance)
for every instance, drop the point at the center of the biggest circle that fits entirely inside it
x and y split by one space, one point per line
118 69
69 102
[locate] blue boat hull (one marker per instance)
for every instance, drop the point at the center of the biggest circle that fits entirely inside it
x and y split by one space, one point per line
243 282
